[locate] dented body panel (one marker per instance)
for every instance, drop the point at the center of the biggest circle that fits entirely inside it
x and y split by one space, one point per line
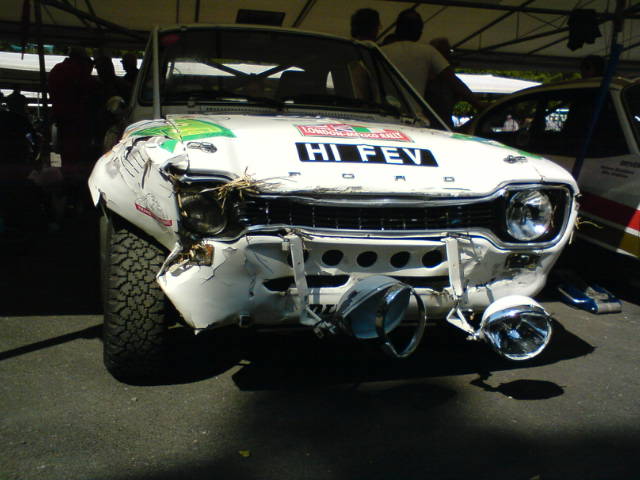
250 276
307 205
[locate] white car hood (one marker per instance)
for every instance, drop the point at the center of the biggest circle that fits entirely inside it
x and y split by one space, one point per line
312 154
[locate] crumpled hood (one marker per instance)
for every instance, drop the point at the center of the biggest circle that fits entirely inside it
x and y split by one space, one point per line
312 154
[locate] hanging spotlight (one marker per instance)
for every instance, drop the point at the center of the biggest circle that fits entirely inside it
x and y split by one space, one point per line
374 307
516 327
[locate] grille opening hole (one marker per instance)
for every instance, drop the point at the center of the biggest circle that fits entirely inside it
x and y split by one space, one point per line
400 259
366 259
282 284
305 257
434 283
432 258
331 258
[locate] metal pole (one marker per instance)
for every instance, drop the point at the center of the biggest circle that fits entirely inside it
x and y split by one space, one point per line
524 39
303 13
616 49
156 75
98 21
495 6
43 80
489 25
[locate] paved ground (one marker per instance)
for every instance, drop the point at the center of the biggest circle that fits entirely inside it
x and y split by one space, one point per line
282 405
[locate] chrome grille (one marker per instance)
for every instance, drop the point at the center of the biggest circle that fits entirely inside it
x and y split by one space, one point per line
284 211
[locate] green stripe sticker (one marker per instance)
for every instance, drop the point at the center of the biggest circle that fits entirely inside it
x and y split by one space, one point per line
186 129
495 143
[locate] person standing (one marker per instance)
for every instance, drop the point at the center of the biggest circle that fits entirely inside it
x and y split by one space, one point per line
17 102
440 93
72 94
420 63
365 24
73 97
510 124
130 65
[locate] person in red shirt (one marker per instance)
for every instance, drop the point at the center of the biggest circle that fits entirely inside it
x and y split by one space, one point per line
73 93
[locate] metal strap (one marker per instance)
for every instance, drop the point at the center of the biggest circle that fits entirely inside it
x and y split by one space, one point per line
297 261
387 346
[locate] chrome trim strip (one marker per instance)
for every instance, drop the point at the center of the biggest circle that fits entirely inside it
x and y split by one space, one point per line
402 202
386 202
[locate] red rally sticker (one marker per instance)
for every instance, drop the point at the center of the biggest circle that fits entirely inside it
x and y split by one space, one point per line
343 130
146 211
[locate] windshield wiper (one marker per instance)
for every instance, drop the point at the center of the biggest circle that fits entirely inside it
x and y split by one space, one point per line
222 95
342 102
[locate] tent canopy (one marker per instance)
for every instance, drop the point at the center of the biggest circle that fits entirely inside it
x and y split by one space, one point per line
492 34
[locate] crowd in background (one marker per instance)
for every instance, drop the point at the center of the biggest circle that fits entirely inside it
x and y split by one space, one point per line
78 120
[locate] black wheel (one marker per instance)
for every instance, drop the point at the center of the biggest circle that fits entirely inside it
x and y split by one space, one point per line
135 313
105 232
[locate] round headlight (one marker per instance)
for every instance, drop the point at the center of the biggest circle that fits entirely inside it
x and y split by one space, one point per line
202 214
529 215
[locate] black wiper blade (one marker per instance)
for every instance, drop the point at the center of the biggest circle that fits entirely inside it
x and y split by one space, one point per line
338 101
221 95
233 96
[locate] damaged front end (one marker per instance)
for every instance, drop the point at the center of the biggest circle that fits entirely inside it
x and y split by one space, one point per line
239 251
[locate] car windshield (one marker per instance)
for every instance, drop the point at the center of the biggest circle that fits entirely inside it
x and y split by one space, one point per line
282 70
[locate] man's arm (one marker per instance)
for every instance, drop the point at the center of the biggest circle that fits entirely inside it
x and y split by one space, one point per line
460 88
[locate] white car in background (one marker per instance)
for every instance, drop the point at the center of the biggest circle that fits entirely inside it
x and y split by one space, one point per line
276 177
553 121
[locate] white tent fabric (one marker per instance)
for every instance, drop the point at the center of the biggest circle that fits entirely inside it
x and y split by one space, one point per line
30 62
494 84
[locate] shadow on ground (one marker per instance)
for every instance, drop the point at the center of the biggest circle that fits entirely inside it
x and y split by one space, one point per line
290 359
51 272
344 411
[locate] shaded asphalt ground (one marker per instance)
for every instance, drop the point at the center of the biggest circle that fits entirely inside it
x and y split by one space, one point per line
241 404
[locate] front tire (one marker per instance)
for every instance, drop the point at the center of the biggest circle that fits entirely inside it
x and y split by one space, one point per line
135 313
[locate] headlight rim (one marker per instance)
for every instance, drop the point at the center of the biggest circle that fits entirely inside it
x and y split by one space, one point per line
206 196
519 234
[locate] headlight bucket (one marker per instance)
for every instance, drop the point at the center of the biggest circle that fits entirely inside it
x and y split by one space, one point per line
529 215
201 213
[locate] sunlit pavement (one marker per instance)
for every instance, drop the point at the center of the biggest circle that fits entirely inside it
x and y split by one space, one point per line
239 404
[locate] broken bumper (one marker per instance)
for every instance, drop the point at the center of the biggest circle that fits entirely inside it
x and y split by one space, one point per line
270 280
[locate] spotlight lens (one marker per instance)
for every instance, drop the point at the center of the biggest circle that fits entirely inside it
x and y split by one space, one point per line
518 334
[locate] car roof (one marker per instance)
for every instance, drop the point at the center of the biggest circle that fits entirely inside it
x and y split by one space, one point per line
617 83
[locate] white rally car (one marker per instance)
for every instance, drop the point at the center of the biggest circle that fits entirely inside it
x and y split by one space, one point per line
275 177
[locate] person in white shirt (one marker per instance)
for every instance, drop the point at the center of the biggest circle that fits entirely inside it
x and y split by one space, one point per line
510 124
420 62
